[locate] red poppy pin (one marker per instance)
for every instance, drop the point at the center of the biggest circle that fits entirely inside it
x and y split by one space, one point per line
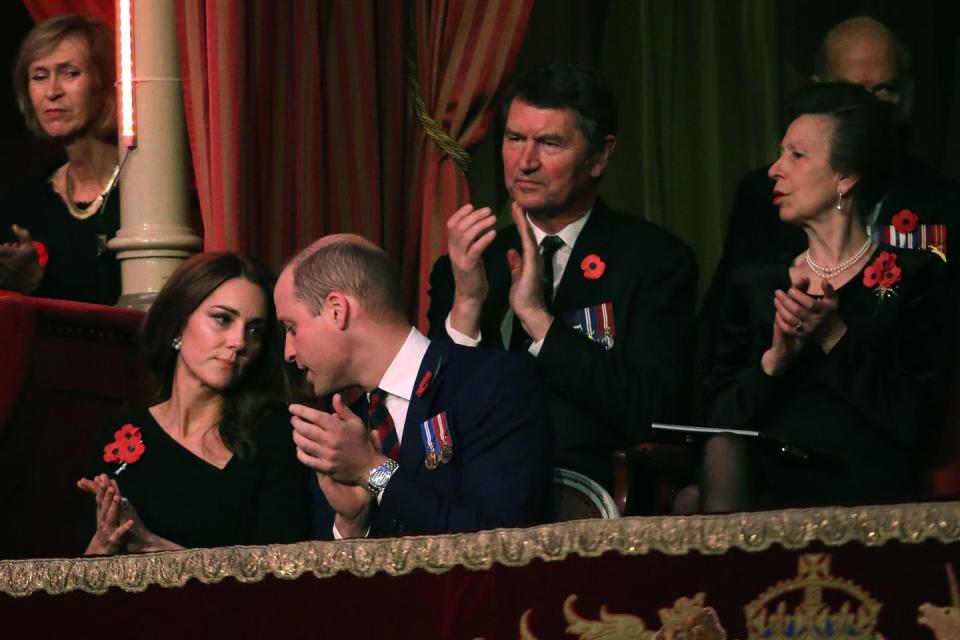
905 221
126 448
882 275
424 383
593 267
43 256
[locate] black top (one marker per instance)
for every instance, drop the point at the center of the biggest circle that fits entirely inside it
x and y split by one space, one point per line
80 267
870 403
755 231
182 498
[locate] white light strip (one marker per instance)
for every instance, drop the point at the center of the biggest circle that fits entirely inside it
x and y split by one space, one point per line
128 130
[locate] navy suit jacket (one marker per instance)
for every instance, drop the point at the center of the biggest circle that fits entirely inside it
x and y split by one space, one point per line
600 400
501 469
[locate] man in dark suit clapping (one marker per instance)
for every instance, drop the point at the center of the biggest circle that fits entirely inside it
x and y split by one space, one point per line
602 300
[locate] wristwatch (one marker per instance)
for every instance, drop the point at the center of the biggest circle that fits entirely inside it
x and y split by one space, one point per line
380 476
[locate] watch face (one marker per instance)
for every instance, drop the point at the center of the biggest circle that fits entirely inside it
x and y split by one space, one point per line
380 476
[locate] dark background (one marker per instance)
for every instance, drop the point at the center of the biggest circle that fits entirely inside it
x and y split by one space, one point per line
574 30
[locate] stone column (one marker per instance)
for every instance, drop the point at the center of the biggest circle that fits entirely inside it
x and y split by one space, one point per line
155 234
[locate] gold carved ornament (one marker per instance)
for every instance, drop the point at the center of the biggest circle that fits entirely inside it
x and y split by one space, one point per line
671 535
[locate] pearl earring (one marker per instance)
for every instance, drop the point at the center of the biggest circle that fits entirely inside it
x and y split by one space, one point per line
177 343
839 200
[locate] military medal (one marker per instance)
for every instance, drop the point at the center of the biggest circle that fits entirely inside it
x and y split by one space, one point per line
931 237
437 442
443 435
595 323
431 454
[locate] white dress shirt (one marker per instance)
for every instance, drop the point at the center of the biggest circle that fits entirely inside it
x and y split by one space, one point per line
561 257
398 381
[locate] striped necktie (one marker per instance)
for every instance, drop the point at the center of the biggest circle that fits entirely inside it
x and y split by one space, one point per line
378 419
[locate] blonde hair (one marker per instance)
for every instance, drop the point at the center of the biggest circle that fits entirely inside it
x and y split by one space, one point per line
43 39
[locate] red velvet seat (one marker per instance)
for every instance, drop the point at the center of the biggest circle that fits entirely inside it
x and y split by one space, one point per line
946 470
66 367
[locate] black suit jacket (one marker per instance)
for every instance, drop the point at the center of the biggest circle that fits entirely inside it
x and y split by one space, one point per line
600 400
500 471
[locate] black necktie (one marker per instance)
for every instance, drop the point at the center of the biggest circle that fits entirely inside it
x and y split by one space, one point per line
519 340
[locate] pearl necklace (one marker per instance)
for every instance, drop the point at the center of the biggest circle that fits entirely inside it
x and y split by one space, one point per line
93 207
828 273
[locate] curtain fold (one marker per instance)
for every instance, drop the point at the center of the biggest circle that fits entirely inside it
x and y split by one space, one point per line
699 92
40 10
295 116
464 52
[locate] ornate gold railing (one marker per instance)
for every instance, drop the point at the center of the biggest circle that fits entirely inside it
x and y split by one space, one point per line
676 535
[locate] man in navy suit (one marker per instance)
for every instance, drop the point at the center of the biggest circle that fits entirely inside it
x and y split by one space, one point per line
448 438
602 300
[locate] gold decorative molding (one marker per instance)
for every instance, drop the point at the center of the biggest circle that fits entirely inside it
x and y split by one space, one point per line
672 535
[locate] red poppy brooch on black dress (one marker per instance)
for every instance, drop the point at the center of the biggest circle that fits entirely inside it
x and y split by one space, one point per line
126 448
883 275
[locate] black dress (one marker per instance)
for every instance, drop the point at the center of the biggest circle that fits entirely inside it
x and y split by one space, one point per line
870 405
80 267
182 498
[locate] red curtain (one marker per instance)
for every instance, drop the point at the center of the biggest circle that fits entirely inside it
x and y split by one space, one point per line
295 119
465 52
298 120
42 9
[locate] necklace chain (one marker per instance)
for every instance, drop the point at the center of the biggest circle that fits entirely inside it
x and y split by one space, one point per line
832 272
93 207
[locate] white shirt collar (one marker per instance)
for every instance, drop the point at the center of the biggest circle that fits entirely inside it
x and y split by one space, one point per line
568 234
401 375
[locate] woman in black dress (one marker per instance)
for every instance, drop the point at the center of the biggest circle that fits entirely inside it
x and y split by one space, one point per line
213 462
837 353
54 229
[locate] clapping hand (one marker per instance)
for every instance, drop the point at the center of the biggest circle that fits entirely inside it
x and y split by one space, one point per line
19 269
336 444
112 526
469 232
801 319
340 449
119 527
526 275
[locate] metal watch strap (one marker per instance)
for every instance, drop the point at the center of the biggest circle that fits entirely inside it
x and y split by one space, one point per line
380 476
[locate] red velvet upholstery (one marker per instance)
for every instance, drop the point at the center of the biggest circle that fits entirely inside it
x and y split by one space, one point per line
67 366
946 471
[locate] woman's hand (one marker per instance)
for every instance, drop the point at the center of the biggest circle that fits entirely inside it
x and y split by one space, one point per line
801 319
784 347
19 269
112 527
119 527
813 320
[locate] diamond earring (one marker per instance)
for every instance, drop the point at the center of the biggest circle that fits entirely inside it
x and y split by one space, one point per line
177 343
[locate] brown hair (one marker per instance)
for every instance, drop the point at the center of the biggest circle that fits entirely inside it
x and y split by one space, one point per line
261 387
43 39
